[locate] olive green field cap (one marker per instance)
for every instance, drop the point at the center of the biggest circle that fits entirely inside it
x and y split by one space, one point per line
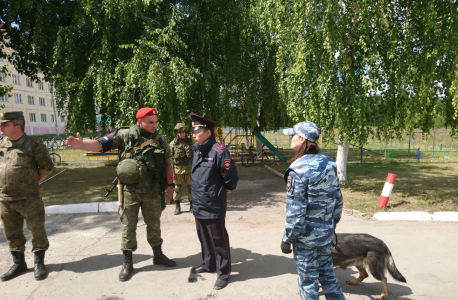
180 127
10 116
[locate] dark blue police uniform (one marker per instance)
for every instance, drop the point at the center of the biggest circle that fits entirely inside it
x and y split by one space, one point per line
213 171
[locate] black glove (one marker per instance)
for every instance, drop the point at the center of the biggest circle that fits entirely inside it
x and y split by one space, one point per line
286 248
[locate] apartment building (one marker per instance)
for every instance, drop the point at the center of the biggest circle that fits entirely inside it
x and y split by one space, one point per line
34 99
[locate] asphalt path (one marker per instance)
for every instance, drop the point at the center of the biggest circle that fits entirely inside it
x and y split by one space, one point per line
84 259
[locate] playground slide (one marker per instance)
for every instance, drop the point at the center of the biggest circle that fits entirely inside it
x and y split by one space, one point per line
269 145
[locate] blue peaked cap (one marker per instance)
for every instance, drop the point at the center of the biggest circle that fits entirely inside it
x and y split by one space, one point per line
308 130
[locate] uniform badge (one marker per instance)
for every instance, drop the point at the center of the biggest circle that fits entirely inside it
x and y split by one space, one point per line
289 183
208 158
227 163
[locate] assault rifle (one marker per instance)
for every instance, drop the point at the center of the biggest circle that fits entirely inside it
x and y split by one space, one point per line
113 185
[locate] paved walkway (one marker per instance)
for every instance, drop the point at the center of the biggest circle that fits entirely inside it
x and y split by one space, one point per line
84 259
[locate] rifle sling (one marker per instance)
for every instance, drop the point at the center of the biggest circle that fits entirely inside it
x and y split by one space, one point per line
140 146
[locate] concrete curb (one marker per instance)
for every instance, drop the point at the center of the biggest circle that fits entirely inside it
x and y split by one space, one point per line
80 208
399 216
83 208
443 216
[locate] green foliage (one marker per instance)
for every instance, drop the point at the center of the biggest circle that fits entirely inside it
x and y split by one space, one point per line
5 89
118 56
30 29
367 67
361 68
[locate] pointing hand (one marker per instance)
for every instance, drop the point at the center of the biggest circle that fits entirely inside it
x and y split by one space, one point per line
75 143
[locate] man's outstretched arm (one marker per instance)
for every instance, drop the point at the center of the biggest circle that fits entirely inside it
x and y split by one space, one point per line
78 143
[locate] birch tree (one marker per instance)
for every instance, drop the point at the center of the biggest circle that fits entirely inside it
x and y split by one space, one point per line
366 68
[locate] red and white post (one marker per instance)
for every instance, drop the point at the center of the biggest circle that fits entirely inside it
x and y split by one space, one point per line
387 189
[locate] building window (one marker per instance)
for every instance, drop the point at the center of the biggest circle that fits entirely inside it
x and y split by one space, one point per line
1 59
42 101
43 118
62 119
2 77
16 80
4 98
52 118
33 117
41 86
29 82
31 100
17 98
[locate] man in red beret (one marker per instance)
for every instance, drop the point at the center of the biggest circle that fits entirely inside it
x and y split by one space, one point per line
144 171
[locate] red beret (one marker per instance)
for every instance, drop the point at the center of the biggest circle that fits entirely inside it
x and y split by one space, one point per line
146 111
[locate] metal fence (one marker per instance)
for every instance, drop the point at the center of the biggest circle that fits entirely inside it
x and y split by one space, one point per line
367 155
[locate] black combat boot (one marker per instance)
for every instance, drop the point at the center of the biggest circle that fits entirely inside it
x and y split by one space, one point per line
18 267
190 205
127 266
177 208
160 259
39 269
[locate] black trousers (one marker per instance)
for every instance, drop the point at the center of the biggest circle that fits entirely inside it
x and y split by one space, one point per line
214 242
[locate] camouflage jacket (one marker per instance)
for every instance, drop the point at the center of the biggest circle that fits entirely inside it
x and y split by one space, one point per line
21 162
314 200
154 157
181 155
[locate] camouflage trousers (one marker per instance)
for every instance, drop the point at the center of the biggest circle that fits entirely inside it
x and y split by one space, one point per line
314 263
13 214
179 182
150 204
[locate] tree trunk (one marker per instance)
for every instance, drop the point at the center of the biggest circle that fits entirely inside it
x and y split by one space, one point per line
341 160
259 126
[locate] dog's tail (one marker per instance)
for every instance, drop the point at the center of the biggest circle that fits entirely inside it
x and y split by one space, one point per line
392 267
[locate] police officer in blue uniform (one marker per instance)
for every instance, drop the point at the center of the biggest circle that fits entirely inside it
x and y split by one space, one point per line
213 176
313 208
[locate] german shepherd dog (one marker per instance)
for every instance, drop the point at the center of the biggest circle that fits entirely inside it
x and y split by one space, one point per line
363 250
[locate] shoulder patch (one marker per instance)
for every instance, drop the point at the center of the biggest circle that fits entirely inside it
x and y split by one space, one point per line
289 183
227 163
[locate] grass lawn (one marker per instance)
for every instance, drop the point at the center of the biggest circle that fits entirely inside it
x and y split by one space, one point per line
425 187
82 182
418 187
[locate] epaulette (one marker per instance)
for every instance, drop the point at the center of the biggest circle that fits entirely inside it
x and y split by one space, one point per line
221 146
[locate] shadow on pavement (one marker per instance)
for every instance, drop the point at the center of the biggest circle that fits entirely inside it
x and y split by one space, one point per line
95 263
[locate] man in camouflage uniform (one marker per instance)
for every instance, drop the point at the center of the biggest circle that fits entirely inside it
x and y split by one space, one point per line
145 166
182 155
313 208
24 163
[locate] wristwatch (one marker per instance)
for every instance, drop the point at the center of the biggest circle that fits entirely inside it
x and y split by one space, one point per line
171 184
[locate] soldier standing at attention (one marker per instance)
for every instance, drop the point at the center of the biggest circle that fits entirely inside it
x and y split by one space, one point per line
182 153
213 176
145 162
24 163
313 209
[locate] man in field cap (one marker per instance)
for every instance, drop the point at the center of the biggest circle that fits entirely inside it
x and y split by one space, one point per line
182 160
144 171
24 163
213 176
